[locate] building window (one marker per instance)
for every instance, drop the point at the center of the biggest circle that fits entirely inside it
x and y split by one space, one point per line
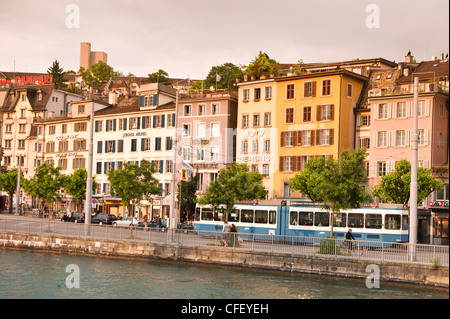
287 192
325 112
215 108
382 166
349 90
326 87
382 139
401 138
215 129
80 109
187 154
306 138
79 145
214 154
325 137
246 94
51 130
256 120
21 144
186 130
289 118
200 154
80 127
257 94
245 121
267 146
290 91
383 111
307 114
401 110
244 147
168 143
201 130
63 163
158 143
309 89
268 119
187 110
365 120
202 109
266 170
268 92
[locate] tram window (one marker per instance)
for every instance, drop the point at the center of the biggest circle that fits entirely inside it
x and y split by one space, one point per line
197 214
207 214
293 218
305 218
272 217
392 222
340 220
246 216
373 221
233 216
219 214
321 219
261 216
355 220
404 222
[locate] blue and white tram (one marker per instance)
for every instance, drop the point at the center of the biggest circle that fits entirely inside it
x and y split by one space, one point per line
369 224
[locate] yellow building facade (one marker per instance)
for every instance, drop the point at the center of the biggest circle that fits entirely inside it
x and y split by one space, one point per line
315 117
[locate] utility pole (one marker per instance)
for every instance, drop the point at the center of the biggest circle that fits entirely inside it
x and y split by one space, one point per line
413 186
18 187
174 171
88 202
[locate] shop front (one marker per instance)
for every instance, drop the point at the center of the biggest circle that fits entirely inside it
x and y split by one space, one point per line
439 219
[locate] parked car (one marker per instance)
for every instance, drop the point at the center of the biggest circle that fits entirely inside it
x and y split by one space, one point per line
153 223
103 219
126 221
75 217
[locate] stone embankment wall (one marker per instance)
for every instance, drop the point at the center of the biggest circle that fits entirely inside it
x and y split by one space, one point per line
317 265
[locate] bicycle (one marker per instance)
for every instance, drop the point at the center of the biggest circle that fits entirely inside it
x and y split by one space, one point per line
352 248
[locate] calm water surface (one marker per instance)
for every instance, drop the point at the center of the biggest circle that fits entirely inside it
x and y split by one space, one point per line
27 274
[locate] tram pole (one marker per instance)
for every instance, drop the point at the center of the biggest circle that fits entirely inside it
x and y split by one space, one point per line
413 186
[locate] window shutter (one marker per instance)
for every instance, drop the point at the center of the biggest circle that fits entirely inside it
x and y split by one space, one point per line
299 163
96 126
143 122
124 124
104 167
99 147
299 138
142 143
163 120
106 146
314 85
282 139
375 112
141 100
114 124
155 99
313 141
281 163
173 119
331 136
154 121
114 146
99 168
138 122
319 113
317 137
294 138
332 112
120 146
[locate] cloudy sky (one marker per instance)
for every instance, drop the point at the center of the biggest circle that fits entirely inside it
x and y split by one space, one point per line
186 38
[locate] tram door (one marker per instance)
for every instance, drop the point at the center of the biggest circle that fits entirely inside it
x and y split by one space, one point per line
423 231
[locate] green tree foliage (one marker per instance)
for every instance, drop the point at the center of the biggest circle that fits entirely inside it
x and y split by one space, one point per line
227 72
134 183
8 184
99 73
234 183
335 184
188 195
57 74
75 185
261 65
159 76
45 184
395 186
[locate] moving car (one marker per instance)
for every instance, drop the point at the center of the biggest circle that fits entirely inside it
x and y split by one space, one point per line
126 221
103 219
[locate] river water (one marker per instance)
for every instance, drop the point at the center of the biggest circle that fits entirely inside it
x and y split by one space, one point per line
40 275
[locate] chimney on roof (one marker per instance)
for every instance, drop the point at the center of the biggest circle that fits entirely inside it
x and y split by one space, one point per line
112 98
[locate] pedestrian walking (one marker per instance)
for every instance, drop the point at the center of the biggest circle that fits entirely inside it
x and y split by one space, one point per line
234 236
225 230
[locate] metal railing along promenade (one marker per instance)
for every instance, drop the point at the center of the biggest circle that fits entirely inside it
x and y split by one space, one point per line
433 255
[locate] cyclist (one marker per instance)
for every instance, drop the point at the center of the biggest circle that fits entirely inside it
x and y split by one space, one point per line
348 239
